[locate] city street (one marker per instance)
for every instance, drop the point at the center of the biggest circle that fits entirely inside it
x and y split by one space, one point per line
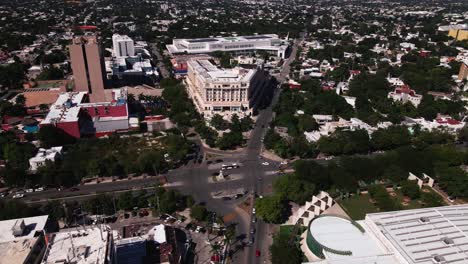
196 179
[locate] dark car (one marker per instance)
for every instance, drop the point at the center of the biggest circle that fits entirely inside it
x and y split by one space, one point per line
74 189
226 198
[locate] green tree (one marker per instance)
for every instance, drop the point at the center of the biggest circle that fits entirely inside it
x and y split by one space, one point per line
282 251
293 188
198 212
152 162
51 136
51 73
230 140
272 209
431 199
125 201
410 189
246 123
218 122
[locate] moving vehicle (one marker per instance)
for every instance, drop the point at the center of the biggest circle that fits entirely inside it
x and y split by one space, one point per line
18 195
258 253
265 163
229 166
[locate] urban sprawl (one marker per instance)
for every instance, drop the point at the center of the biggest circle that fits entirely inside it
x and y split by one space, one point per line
234 131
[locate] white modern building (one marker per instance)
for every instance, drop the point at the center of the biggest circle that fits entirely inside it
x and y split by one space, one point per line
42 155
222 91
123 46
23 240
240 45
418 236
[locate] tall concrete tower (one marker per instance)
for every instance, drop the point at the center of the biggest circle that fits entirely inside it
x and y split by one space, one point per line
88 67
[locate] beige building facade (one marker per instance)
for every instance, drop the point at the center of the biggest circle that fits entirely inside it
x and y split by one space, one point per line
219 91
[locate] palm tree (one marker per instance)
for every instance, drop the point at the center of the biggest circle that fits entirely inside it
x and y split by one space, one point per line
215 248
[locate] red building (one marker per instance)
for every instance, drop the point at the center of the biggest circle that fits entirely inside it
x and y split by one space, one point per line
74 114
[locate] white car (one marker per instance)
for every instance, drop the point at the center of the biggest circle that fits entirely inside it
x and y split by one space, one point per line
40 189
253 210
284 162
265 163
18 195
29 190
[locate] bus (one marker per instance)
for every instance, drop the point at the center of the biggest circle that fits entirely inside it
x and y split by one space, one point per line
229 166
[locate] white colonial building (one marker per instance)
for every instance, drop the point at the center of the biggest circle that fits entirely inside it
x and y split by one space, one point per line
219 91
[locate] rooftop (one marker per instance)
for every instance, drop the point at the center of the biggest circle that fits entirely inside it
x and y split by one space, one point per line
16 252
233 39
66 108
424 236
44 154
211 72
341 234
88 245
31 226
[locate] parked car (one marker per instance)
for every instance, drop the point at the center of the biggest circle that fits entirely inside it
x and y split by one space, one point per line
265 163
29 190
39 189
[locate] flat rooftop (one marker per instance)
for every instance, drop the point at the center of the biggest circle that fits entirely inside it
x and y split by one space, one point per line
16 252
423 236
16 249
87 245
232 39
60 112
212 73
32 225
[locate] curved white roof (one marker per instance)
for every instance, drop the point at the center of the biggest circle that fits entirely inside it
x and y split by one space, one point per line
340 234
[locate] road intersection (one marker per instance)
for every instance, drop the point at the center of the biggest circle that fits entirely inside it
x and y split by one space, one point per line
195 179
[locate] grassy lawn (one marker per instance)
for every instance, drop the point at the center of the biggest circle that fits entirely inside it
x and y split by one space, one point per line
358 206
